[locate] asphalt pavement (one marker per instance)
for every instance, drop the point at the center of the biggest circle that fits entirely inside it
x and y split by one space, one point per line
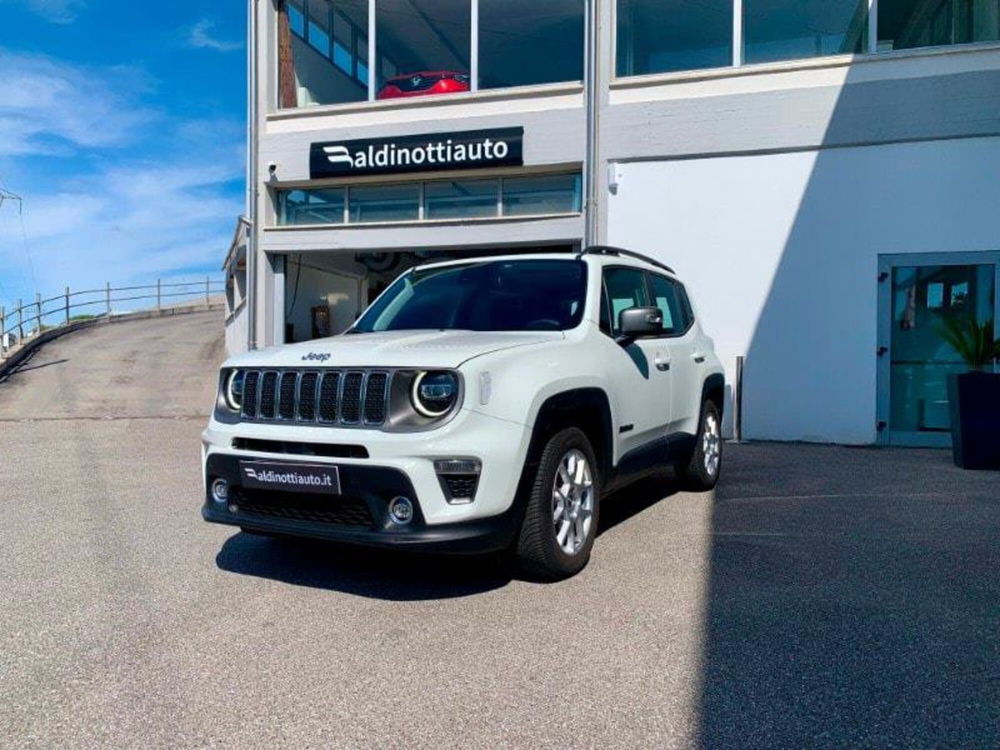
822 597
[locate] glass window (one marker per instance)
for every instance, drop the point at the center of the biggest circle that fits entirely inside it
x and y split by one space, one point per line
428 42
794 29
904 24
524 42
319 27
343 43
554 194
362 60
669 297
443 199
924 299
517 295
385 203
460 199
625 288
325 206
659 36
316 64
297 17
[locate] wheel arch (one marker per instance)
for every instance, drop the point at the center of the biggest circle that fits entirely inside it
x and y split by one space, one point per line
714 390
587 408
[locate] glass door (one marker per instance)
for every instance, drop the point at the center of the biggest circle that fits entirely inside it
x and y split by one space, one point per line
915 361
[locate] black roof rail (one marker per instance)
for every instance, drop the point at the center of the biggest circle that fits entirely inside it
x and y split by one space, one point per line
608 250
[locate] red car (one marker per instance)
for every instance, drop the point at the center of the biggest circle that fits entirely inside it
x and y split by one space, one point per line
425 83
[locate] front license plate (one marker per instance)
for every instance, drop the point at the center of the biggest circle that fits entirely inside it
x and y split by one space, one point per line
267 475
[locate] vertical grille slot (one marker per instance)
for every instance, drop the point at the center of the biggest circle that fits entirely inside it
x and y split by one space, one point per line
307 396
250 387
328 397
268 394
355 398
375 393
286 392
350 406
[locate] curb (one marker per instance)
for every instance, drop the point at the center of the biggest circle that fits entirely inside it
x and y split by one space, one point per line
10 365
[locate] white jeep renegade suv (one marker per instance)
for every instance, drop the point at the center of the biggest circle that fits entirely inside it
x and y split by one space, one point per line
477 405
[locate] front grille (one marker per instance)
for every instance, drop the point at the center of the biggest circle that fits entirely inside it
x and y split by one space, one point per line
329 397
332 509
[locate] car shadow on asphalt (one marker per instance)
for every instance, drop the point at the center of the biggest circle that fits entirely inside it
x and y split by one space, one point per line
398 575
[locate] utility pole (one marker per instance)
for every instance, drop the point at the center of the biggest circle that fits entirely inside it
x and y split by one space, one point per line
252 169
592 105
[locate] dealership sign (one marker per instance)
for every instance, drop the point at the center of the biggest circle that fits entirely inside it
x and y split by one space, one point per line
472 149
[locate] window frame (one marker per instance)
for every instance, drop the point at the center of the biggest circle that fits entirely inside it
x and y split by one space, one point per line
279 196
375 57
682 298
606 298
871 52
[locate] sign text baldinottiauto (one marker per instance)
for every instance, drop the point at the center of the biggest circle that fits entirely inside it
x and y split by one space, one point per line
473 149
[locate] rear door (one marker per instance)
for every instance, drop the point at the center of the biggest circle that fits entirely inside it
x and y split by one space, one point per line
681 340
641 374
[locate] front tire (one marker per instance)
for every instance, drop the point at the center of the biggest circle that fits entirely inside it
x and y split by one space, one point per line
560 522
700 473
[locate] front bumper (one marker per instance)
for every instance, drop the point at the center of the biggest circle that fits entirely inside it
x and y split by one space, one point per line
360 512
397 465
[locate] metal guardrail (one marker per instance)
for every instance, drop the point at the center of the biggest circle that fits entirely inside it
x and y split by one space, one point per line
31 317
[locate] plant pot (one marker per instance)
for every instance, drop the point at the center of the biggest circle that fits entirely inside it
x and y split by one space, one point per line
974 402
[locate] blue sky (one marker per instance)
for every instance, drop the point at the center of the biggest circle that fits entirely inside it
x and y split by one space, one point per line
121 126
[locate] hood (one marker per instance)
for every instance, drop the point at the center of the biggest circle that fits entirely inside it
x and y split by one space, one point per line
425 349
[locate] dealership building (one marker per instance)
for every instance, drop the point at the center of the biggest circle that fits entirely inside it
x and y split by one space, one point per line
824 175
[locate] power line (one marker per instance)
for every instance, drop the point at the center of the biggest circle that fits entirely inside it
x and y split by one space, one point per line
6 195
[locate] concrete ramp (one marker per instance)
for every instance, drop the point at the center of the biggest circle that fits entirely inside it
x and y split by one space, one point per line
158 367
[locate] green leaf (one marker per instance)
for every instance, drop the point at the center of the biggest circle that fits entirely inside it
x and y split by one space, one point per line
973 342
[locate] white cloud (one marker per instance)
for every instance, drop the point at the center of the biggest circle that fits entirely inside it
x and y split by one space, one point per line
113 190
202 38
46 106
56 11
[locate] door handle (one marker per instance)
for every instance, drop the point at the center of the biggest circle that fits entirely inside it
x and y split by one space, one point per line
698 357
662 364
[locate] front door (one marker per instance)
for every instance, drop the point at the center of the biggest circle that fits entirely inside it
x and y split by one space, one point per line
643 367
919 294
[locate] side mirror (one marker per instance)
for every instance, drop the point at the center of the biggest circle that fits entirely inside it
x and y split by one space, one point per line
638 322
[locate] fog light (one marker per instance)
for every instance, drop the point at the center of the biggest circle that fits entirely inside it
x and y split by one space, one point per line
401 510
220 490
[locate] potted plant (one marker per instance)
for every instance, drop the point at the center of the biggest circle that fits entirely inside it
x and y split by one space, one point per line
974 396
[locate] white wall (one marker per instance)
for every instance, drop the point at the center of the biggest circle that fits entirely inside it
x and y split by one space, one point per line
237 331
781 255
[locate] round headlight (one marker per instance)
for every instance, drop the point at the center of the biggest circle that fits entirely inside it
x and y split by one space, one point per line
435 393
234 389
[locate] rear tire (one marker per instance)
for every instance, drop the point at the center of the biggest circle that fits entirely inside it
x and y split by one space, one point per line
560 521
700 472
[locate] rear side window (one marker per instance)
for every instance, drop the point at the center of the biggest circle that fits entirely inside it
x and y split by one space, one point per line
624 288
670 297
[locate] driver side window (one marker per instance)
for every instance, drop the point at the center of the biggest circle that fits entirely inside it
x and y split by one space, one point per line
624 288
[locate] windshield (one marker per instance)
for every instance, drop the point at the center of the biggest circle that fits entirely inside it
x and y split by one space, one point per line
509 295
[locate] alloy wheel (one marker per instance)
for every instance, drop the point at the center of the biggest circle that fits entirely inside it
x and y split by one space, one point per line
573 502
711 444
